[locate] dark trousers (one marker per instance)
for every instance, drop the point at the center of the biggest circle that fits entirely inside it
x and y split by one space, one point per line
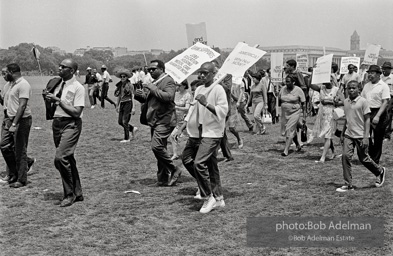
125 109
242 111
378 134
271 105
224 145
159 141
104 95
364 158
66 132
205 165
14 147
189 154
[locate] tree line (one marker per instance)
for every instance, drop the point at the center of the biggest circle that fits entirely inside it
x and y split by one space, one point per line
49 60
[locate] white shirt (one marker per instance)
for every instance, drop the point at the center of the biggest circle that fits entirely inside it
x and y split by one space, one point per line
375 93
99 77
105 77
73 94
212 125
389 81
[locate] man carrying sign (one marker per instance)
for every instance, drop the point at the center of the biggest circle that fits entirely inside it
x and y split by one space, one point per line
205 124
350 76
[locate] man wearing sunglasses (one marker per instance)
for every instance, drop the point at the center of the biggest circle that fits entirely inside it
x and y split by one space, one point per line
69 96
16 126
161 117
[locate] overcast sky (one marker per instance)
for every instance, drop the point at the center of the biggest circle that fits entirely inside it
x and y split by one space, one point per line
160 24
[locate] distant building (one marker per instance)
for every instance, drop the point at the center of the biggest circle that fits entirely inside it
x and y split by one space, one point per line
80 51
156 51
120 51
314 52
56 49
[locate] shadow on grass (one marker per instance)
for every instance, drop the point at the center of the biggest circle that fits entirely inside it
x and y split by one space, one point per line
53 196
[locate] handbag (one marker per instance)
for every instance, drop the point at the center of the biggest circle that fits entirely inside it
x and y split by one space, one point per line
338 113
267 118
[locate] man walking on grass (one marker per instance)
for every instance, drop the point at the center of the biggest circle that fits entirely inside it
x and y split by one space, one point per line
159 98
205 124
16 126
356 133
69 96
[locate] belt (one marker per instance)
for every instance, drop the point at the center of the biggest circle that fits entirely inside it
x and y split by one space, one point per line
63 118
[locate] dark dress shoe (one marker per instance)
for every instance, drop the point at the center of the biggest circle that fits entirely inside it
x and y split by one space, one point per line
175 176
67 201
17 184
12 179
79 198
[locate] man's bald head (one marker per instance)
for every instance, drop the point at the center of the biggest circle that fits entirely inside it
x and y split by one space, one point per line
70 63
206 73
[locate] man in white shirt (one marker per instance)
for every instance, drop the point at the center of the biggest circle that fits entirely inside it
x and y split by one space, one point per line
377 94
16 125
69 96
387 77
205 124
106 78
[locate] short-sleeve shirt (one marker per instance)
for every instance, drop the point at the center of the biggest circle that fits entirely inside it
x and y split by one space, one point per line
21 89
349 77
354 113
389 81
99 77
73 94
4 93
105 76
375 93
296 96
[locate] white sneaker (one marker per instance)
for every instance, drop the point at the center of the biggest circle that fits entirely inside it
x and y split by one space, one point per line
208 204
381 178
219 203
134 131
124 141
241 144
198 195
344 189
31 169
92 107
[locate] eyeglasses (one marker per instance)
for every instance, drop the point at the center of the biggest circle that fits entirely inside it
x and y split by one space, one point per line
123 76
63 67
151 69
205 73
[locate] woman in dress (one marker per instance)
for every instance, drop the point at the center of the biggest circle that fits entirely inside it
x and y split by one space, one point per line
292 102
183 99
325 125
258 98
125 105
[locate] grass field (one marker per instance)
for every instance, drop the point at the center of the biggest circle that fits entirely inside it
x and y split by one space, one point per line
166 220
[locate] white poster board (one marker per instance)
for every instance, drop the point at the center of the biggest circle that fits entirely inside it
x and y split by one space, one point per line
196 32
186 63
371 54
302 61
321 73
240 59
276 66
345 61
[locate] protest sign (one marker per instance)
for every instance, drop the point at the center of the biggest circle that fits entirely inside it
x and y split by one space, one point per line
302 61
345 61
196 33
371 54
240 59
276 66
186 63
323 69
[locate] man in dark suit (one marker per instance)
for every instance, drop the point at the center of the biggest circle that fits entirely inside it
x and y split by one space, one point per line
161 117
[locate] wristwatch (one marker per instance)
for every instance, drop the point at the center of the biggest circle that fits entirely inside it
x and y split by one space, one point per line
13 124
